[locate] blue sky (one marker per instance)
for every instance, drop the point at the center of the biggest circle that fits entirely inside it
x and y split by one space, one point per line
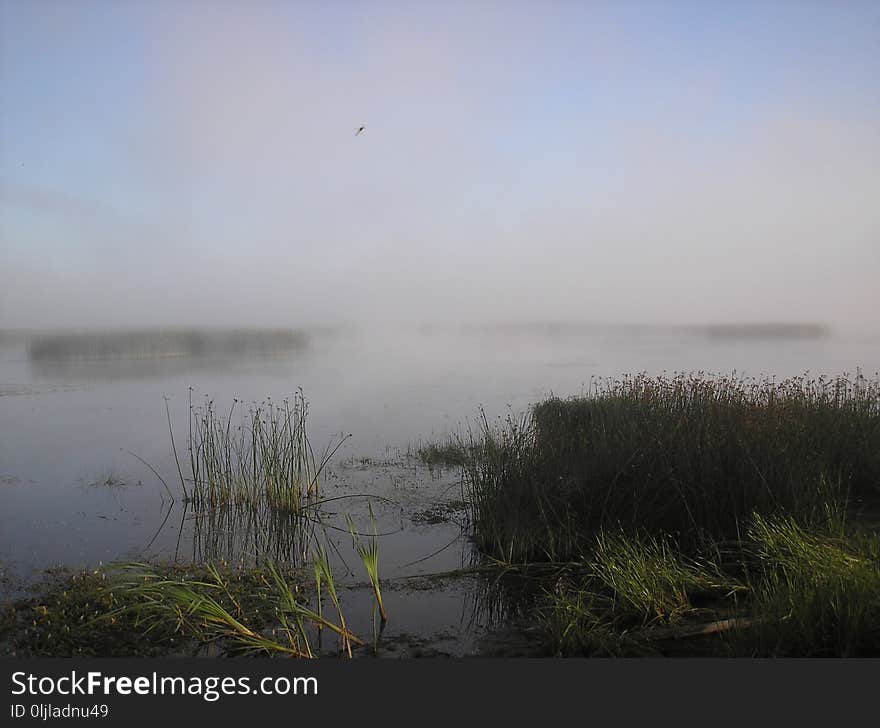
195 162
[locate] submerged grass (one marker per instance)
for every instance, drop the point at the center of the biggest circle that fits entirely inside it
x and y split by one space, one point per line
689 456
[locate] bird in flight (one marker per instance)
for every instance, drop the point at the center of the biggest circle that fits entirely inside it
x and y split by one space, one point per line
360 129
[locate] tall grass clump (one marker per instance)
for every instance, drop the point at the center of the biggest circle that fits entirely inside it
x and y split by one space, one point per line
817 590
259 455
632 589
691 456
651 579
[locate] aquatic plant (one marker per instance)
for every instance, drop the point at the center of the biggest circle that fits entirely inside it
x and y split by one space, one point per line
650 577
817 590
324 577
369 554
577 621
691 456
454 451
197 610
264 456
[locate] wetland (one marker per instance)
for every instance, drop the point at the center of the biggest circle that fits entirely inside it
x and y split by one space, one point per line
440 491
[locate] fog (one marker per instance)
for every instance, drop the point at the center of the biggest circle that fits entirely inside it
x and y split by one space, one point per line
197 164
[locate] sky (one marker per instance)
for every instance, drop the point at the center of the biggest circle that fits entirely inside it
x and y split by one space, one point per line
194 162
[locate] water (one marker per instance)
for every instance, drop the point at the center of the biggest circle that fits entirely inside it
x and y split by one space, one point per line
68 426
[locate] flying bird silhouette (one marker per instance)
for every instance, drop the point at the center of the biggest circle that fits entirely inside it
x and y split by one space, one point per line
360 129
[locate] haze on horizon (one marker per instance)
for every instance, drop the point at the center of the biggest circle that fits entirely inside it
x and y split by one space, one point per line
179 163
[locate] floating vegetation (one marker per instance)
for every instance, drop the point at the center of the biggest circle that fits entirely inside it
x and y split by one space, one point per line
110 479
817 589
443 512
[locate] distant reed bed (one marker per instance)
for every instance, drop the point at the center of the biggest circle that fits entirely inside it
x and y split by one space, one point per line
150 344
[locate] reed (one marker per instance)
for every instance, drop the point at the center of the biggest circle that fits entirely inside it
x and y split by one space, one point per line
261 454
689 456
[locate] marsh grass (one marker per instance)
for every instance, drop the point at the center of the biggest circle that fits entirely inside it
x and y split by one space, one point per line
195 607
208 610
689 456
577 621
650 578
799 589
816 589
151 610
261 454
454 451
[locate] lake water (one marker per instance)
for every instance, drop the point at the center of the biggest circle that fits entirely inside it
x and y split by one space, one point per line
66 426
